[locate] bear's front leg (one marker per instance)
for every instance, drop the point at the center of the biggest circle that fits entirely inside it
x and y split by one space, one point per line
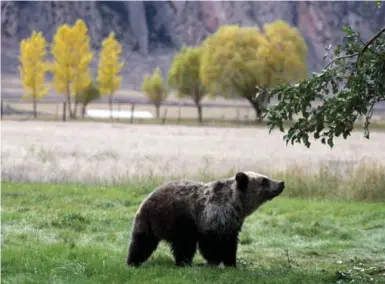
184 251
229 252
210 247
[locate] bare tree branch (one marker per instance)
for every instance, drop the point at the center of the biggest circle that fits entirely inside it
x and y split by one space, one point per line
359 54
341 57
366 46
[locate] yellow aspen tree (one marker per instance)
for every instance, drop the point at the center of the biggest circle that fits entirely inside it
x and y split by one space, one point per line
109 67
33 67
82 79
61 66
72 57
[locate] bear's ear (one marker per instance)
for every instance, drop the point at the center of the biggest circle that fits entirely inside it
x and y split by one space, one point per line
242 181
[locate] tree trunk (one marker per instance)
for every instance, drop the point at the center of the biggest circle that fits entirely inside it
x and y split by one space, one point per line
257 108
110 104
197 100
258 111
84 106
64 111
199 108
68 95
75 107
69 106
157 108
34 107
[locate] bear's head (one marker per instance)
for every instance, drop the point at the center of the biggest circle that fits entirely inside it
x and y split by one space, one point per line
256 189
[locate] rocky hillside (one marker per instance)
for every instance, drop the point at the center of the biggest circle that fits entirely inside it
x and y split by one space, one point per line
152 32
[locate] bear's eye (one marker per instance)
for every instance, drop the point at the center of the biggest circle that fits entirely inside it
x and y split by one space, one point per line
265 182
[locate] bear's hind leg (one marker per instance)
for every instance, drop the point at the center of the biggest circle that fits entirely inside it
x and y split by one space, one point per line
141 247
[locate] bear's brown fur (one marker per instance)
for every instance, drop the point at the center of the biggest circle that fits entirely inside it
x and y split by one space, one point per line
187 213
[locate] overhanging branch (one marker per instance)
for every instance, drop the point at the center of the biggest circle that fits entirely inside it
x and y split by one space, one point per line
369 42
359 54
341 57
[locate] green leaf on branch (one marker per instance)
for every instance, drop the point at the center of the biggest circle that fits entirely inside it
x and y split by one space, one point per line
328 103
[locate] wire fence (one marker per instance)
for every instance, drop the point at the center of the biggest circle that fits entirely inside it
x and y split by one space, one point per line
128 111
141 111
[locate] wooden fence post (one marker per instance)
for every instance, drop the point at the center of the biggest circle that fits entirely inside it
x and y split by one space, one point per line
164 116
179 113
132 113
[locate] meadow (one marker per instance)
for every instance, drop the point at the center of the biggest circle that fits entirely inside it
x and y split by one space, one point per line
70 192
79 234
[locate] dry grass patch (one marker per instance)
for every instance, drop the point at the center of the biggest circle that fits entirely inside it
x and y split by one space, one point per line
102 153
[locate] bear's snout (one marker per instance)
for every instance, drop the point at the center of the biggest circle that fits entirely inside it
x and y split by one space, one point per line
280 186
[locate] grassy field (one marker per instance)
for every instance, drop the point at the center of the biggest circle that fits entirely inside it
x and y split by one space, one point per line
327 227
79 234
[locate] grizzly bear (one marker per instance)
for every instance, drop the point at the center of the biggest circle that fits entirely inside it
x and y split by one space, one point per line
189 213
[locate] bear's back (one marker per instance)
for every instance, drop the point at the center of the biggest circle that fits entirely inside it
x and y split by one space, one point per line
174 195
180 189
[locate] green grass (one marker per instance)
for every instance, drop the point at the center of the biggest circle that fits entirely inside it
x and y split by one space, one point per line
67 233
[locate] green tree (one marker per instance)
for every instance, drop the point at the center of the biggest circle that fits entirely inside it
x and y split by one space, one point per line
238 60
88 95
155 89
347 88
184 76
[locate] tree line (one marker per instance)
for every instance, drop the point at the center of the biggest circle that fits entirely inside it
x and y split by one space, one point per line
233 62
238 62
72 56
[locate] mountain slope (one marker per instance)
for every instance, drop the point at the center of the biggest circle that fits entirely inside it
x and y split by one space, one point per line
152 31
